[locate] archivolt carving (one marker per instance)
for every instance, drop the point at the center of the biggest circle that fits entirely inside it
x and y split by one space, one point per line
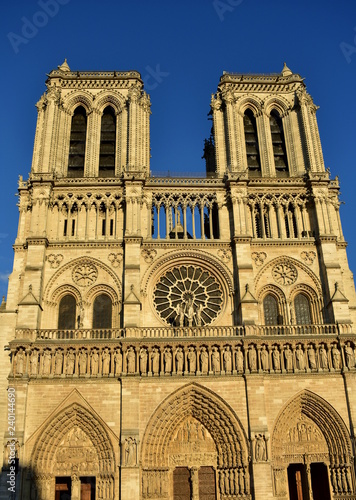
71 265
78 97
289 261
279 103
99 289
249 102
210 411
310 425
64 290
73 419
106 97
177 257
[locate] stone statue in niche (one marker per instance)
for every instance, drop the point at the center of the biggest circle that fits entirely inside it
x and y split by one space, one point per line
47 361
94 362
335 354
192 360
70 362
239 359
204 360
215 360
167 360
179 359
130 359
299 357
311 357
227 359
20 362
130 451
289 358
82 362
118 362
155 357
34 362
349 356
106 361
276 357
260 448
323 357
264 358
252 358
58 362
143 360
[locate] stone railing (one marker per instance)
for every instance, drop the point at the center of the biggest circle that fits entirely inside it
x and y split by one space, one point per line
180 332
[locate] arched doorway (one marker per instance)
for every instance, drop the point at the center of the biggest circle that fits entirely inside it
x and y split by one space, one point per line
195 447
74 458
311 452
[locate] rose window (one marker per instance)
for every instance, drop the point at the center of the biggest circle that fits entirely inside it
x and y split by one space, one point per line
188 296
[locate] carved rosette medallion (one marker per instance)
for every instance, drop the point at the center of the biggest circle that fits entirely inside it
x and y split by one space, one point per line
188 296
285 274
85 274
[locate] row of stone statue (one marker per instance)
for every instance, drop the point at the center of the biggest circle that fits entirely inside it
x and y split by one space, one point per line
234 481
341 479
182 359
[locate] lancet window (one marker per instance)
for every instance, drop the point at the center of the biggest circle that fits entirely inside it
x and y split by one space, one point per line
251 140
278 143
302 310
270 309
77 143
102 312
185 217
67 313
107 143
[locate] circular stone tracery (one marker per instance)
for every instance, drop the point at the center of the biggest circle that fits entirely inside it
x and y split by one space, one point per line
285 274
188 296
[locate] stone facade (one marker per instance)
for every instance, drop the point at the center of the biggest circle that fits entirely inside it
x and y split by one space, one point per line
174 338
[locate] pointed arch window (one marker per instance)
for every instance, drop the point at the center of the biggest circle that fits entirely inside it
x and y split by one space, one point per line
271 311
302 310
77 143
67 313
102 311
107 143
251 140
278 143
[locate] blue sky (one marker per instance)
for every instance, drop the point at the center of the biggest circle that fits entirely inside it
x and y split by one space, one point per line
181 49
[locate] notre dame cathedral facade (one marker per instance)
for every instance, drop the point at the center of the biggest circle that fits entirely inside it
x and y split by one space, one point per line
178 338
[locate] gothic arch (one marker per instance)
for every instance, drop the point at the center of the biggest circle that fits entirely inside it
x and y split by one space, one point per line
326 419
211 411
187 257
287 260
278 103
71 265
249 102
106 98
43 457
78 98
